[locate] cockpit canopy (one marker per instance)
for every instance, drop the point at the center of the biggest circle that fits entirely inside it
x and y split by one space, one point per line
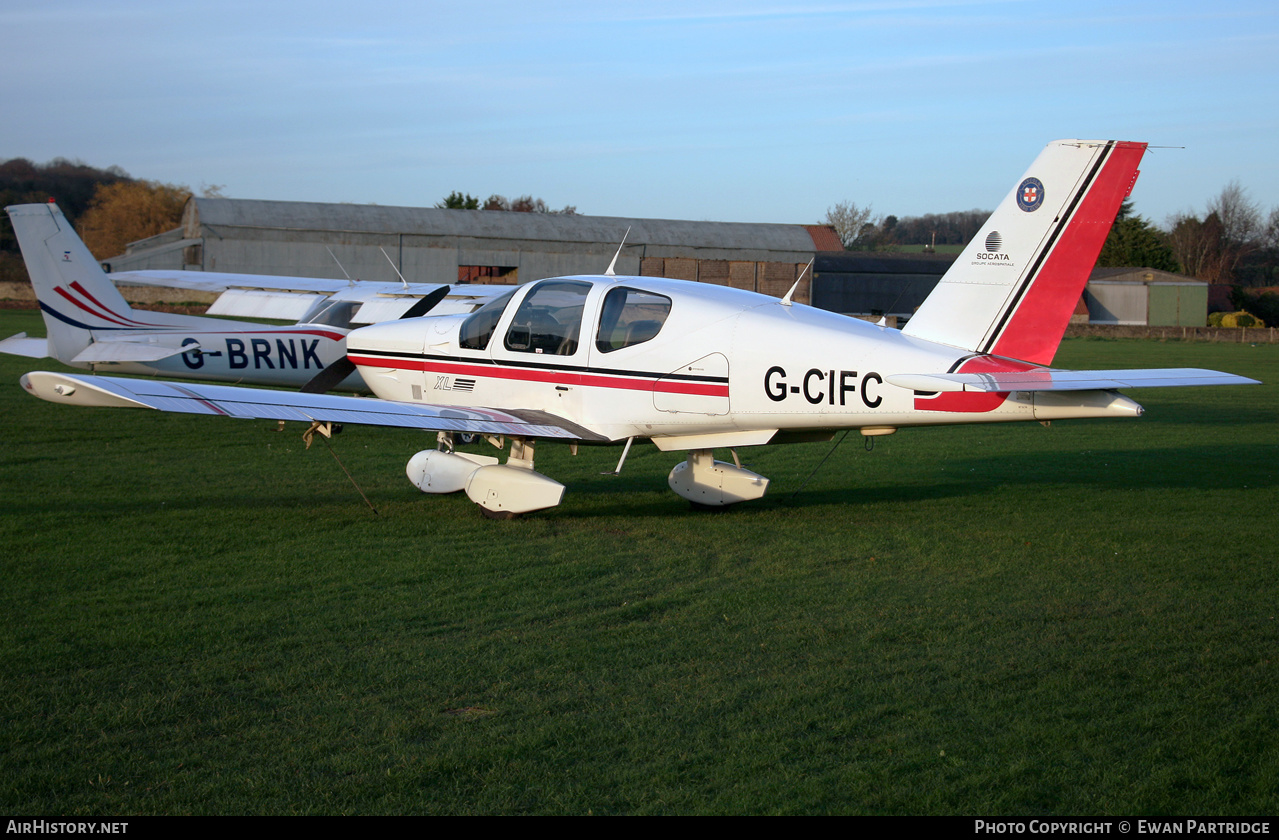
549 319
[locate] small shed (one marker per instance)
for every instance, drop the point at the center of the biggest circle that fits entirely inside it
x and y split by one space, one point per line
1146 297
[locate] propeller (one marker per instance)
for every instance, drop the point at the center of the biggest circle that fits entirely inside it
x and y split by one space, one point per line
332 376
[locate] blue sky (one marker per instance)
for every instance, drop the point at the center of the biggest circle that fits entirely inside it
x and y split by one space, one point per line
725 111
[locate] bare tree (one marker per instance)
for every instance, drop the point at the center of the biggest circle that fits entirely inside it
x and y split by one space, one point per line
1270 236
1212 248
1240 216
849 221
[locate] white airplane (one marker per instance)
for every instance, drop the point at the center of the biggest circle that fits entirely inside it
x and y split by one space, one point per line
90 325
695 367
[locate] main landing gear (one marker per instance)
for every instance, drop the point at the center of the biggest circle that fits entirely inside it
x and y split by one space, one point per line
711 484
503 491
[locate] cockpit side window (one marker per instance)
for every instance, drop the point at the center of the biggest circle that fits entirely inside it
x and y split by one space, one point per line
629 317
549 319
479 328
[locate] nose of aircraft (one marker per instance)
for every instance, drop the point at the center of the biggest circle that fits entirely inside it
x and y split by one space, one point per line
403 336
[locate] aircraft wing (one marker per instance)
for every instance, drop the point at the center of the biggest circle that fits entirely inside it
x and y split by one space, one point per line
1046 379
220 281
291 298
232 401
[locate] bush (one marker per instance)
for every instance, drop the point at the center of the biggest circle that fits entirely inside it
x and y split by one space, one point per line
1239 319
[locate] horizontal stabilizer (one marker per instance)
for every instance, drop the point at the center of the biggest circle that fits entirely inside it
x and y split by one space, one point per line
231 401
1065 380
20 345
106 352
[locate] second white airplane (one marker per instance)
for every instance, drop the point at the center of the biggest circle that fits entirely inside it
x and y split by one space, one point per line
90 325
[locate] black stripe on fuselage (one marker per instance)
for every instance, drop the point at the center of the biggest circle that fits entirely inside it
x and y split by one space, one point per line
460 360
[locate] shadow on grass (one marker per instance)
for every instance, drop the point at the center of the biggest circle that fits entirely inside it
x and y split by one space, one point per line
645 494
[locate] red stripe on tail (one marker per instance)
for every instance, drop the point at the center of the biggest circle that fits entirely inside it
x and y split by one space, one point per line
1035 329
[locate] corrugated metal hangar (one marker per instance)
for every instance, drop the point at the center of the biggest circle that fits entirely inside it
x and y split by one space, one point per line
872 284
431 245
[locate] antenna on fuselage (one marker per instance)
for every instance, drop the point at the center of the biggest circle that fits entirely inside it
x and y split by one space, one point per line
393 268
786 301
612 265
340 267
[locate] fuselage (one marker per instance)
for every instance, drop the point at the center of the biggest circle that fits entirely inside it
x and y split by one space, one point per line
287 357
668 359
207 349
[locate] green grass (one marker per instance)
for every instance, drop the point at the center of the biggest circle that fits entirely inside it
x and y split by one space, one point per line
201 617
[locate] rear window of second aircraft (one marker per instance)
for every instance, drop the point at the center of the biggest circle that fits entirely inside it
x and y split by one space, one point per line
630 317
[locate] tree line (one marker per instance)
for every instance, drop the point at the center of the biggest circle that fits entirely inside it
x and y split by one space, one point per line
859 230
107 207
523 204
1232 242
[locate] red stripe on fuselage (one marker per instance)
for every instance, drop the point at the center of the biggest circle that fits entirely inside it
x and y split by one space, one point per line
555 377
265 332
1035 329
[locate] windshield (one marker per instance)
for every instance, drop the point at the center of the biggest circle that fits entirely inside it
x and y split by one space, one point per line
549 319
478 329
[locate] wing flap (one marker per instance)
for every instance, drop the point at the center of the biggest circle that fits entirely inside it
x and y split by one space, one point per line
1066 380
260 403
256 303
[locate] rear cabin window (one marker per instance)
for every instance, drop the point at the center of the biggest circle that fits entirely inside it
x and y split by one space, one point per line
629 317
478 329
549 320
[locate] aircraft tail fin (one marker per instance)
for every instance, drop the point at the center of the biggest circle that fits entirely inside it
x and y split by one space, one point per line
1013 289
75 295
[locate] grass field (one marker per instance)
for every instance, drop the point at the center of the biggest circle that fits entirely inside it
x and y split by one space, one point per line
199 617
